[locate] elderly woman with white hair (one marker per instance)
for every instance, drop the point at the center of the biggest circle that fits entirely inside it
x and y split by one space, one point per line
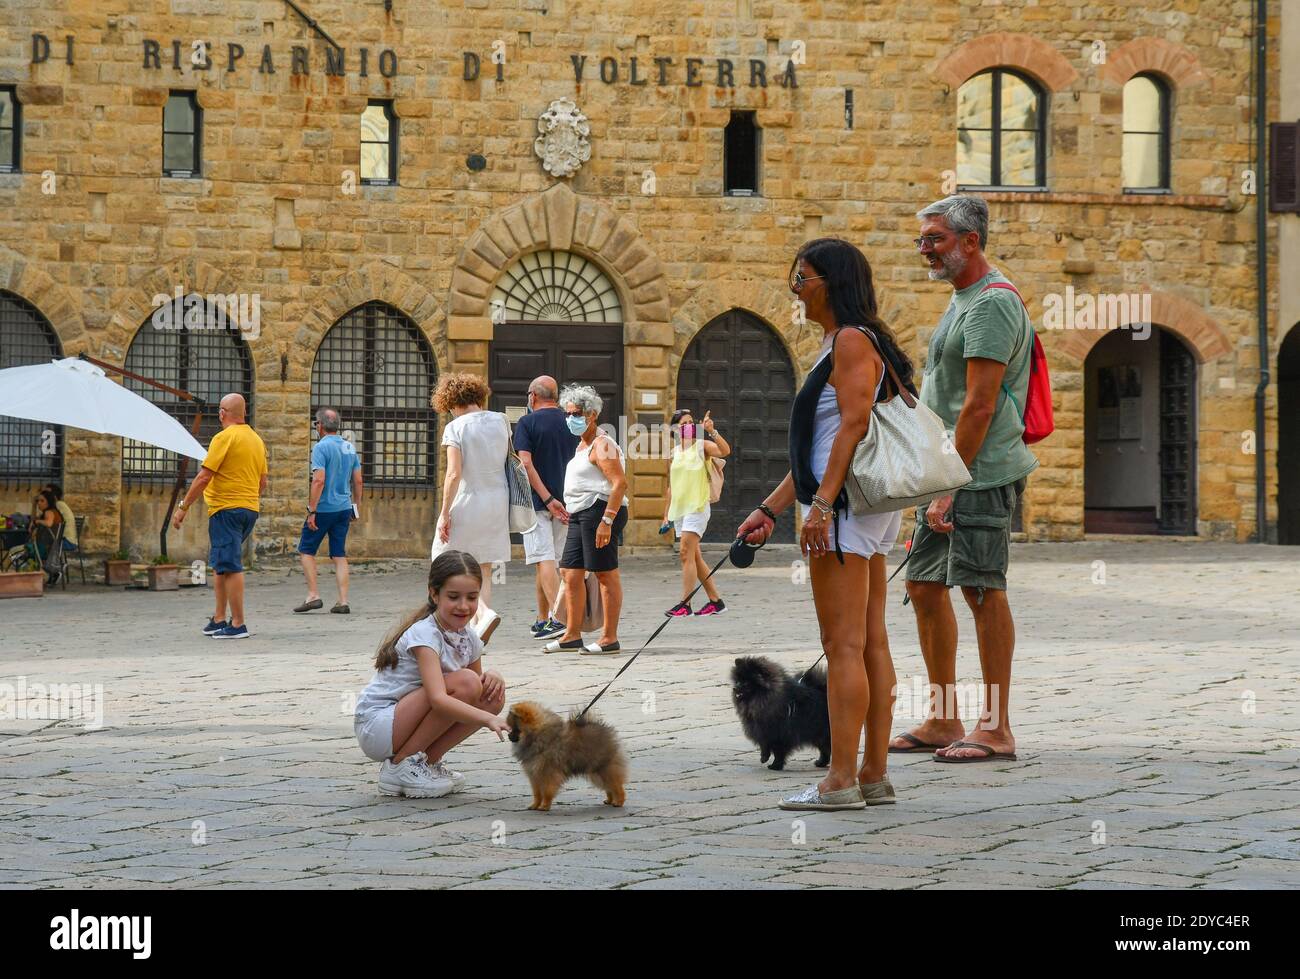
595 488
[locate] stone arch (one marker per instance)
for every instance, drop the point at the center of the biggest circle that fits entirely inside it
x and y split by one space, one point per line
130 306
56 302
1005 50
1154 54
1200 331
348 290
770 302
557 218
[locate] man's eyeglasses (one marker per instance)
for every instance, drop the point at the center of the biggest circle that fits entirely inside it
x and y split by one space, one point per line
798 279
931 240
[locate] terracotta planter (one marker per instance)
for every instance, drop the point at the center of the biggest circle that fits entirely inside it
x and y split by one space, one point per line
117 572
22 584
162 577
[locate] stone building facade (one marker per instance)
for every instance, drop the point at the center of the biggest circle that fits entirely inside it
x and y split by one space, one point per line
856 110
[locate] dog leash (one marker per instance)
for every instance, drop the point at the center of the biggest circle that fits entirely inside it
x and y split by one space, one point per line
887 581
664 623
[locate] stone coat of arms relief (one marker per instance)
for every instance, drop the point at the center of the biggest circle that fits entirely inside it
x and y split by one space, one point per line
563 145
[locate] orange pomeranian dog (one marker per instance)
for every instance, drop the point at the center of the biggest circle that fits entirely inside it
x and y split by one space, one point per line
552 750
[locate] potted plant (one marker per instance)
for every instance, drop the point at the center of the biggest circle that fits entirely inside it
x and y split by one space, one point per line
117 568
22 584
162 574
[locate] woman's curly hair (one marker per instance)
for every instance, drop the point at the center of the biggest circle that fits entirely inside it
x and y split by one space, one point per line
459 390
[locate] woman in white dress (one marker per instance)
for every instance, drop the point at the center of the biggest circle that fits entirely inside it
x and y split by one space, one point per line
475 514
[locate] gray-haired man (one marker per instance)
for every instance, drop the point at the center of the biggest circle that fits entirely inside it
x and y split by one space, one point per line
331 507
976 377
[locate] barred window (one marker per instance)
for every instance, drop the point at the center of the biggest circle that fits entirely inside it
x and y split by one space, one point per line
377 370
551 286
29 450
191 345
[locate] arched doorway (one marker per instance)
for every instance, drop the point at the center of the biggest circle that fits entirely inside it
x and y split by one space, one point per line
1140 435
31 453
1288 439
556 313
737 368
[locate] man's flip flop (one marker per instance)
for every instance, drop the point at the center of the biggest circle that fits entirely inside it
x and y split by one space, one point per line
989 754
311 606
917 746
557 646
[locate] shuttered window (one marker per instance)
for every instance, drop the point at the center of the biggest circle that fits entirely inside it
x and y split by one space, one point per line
1284 167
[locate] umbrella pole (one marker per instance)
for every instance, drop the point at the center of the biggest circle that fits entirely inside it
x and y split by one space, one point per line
182 469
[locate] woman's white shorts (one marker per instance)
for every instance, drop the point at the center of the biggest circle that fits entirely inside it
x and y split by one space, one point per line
693 523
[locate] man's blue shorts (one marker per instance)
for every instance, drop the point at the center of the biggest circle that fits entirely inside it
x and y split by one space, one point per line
227 531
335 524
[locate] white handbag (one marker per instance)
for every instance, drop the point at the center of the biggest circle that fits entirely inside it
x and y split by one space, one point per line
905 459
523 517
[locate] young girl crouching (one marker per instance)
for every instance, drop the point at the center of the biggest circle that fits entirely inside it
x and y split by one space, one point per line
430 691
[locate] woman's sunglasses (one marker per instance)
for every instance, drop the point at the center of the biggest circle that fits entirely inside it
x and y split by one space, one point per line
798 279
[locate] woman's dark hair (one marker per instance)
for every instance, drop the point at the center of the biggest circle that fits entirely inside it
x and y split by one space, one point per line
50 499
852 296
446 565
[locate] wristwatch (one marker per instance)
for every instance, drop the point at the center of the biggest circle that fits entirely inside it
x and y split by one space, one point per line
548 501
607 520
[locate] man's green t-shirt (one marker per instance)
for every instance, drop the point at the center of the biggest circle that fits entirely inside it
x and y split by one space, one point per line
991 324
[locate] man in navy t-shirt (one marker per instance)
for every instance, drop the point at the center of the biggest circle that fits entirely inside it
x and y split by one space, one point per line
545 446
335 488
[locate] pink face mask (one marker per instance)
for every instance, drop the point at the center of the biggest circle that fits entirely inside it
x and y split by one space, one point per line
688 431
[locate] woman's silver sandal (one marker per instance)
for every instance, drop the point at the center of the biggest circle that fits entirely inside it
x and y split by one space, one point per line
814 799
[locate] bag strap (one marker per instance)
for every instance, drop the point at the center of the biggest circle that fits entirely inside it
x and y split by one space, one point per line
906 395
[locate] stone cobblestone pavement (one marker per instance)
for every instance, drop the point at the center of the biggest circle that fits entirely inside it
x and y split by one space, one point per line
1156 715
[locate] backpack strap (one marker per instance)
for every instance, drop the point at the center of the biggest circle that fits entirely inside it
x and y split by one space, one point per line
1007 285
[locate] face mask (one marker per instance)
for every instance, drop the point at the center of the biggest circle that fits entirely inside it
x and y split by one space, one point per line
688 432
576 425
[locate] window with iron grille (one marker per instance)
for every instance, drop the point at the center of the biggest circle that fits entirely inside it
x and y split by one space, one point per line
555 287
379 143
29 450
377 370
11 129
187 344
182 135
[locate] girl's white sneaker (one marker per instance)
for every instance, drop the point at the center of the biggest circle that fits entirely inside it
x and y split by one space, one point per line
412 778
440 770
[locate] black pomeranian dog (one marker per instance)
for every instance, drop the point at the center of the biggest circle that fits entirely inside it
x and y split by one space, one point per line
778 712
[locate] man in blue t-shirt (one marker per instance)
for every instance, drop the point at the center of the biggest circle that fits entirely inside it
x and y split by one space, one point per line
545 446
331 507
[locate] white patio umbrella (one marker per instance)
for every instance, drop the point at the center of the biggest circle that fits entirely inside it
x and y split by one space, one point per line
75 393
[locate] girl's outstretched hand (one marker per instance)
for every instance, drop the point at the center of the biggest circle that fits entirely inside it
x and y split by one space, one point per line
498 726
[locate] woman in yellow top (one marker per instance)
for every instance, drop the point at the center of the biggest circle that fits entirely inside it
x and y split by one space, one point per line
687 505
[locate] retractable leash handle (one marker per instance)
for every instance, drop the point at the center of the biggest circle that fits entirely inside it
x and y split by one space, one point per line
741 554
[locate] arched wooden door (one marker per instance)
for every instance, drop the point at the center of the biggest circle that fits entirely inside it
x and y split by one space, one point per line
737 368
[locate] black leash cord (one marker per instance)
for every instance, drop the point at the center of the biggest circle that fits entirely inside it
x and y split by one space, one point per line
662 624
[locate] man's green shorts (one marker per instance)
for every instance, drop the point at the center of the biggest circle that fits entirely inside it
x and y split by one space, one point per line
975 552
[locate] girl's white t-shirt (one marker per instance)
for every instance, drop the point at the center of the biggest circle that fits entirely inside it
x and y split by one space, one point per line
456 651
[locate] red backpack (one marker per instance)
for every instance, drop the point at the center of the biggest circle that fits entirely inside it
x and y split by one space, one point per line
1037 414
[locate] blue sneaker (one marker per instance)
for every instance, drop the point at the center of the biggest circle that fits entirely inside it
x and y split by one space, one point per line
232 632
550 630
537 627
213 627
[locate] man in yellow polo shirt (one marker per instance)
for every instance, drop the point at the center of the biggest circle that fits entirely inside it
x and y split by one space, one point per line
232 481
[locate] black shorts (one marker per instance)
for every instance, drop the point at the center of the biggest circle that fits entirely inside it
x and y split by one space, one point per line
580 550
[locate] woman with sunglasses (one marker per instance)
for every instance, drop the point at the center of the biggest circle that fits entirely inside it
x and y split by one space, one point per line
846 552
595 494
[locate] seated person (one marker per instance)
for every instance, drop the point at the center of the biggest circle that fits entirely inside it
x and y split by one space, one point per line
70 542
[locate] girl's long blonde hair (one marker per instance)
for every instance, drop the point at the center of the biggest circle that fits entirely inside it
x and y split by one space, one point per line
446 565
